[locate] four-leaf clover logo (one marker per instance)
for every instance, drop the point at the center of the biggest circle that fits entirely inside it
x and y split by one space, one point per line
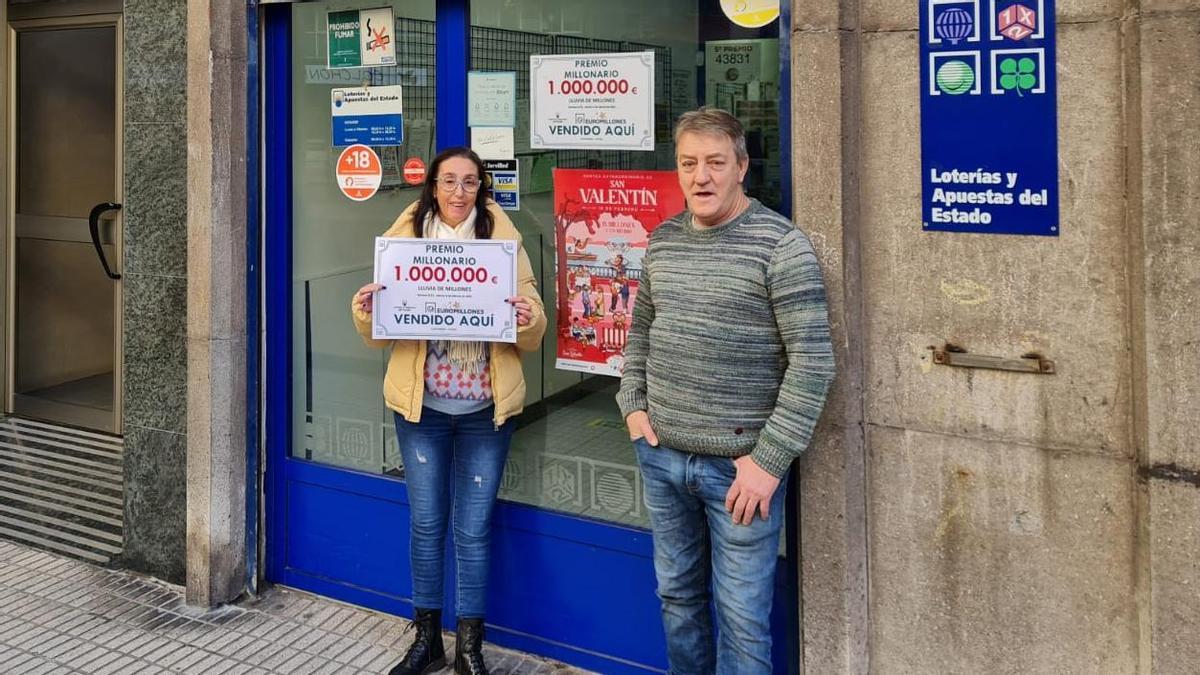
1018 74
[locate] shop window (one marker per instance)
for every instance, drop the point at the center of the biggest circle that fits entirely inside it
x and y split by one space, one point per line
338 414
571 452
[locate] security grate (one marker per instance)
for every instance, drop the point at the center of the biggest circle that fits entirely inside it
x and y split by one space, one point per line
61 489
501 49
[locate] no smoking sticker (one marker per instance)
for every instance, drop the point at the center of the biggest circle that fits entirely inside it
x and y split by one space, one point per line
359 172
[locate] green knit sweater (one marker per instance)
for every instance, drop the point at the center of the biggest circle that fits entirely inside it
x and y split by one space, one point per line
729 348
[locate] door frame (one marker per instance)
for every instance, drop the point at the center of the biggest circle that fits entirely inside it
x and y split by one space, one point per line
77 14
284 475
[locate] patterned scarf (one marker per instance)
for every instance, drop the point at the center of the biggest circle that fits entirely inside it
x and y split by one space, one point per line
467 355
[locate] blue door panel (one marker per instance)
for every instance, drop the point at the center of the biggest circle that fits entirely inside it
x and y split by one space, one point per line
344 536
582 595
561 586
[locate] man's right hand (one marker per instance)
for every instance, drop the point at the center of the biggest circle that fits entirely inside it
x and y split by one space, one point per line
639 427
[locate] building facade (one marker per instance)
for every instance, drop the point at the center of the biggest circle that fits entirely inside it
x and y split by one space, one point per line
946 518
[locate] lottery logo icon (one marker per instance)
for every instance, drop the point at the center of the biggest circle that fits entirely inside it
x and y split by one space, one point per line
955 77
1017 22
953 25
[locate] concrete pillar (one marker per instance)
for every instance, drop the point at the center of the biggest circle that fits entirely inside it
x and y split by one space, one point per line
825 146
216 457
1165 193
1001 505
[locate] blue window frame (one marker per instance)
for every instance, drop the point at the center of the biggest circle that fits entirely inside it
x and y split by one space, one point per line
568 587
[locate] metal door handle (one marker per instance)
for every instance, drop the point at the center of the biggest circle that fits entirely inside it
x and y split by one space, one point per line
94 227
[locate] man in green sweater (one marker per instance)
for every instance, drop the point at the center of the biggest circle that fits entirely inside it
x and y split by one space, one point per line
726 368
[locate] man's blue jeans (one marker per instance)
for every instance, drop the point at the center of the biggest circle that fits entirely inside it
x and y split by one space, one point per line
696 543
452 466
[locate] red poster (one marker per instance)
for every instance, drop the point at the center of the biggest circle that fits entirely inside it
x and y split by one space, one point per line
603 221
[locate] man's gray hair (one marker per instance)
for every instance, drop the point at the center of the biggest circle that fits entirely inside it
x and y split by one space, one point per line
714 121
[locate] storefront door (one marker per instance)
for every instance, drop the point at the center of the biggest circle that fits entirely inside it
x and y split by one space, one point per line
65 288
572 573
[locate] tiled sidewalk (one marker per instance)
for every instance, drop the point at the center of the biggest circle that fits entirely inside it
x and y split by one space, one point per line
59 615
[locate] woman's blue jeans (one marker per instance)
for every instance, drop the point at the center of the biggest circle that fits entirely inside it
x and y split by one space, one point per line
452 466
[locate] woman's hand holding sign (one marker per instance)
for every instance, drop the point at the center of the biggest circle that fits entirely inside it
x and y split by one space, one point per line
365 296
524 309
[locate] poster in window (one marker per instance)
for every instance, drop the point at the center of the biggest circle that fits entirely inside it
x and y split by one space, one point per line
592 101
603 221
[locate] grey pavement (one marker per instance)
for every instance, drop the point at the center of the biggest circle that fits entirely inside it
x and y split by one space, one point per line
60 615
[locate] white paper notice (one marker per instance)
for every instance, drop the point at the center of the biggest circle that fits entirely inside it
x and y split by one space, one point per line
491 99
419 139
492 142
376 33
592 101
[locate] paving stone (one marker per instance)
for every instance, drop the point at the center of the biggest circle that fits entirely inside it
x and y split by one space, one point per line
209 664
62 616
120 665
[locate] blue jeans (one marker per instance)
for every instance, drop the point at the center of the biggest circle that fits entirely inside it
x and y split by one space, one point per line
452 466
696 544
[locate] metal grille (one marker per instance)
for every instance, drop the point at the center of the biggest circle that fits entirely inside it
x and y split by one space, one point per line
416 44
498 49
508 50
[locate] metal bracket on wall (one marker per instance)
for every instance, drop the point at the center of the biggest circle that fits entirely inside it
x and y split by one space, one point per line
952 355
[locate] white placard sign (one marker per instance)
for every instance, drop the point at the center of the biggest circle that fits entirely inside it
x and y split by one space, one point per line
445 289
592 101
491 99
735 61
492 142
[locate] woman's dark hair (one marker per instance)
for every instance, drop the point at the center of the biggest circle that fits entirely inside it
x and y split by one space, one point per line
427 204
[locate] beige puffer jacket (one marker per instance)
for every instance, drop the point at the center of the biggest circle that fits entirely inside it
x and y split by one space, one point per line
404 384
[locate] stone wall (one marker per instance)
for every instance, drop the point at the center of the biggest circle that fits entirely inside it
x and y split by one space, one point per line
1166 69
959 520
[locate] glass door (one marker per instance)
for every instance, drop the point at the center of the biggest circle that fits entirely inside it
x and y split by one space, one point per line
65 286
572 568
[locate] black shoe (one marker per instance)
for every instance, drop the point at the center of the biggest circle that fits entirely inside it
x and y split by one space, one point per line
427 652
468 650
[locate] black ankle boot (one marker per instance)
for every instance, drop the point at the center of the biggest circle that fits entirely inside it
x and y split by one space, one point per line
427 653
468 649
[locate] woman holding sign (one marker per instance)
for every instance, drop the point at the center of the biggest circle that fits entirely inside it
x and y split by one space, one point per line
453 403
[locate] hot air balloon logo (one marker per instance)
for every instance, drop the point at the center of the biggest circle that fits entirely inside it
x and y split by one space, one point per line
954 25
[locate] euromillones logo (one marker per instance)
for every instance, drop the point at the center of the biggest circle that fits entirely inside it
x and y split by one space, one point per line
601 118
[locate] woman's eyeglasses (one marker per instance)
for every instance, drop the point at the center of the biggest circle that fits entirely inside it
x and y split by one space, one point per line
470 184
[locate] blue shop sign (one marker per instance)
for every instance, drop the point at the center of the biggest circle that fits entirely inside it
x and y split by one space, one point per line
368 115
989 127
